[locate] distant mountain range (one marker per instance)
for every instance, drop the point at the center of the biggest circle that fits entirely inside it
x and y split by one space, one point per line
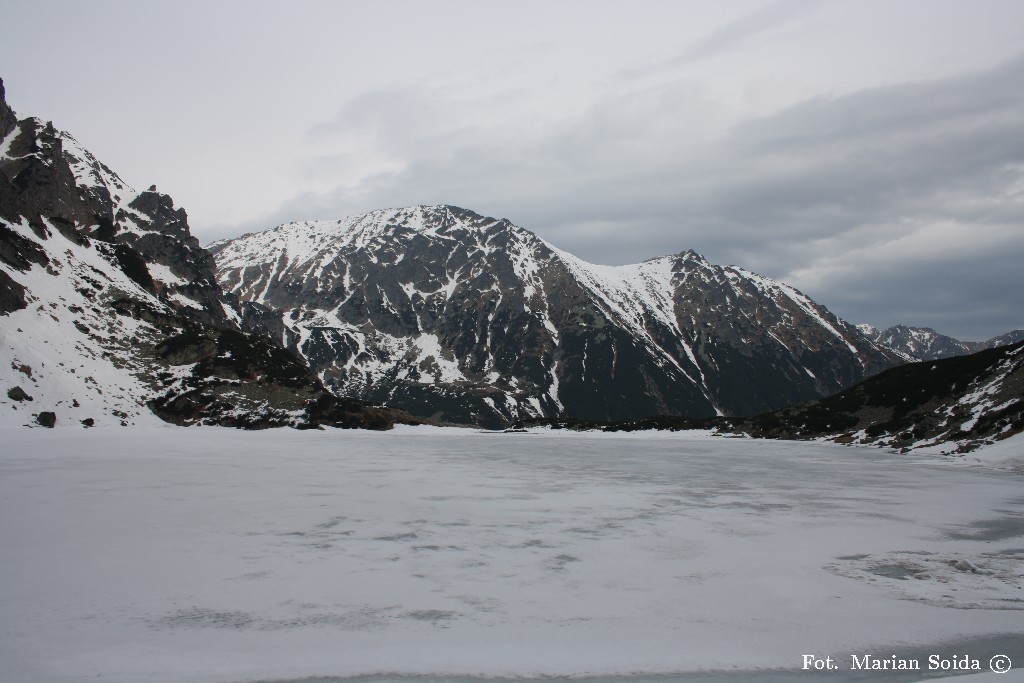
924 343
449 314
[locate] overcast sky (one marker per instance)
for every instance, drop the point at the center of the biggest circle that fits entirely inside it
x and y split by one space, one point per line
869 152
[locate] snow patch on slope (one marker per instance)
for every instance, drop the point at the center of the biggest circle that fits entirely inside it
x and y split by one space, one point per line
69 355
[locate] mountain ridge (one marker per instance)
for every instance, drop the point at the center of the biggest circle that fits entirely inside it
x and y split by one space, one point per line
504 325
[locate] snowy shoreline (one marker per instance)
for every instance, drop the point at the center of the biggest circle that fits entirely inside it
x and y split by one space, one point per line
217 556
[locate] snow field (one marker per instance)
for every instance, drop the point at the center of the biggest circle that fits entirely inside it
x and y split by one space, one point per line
214 555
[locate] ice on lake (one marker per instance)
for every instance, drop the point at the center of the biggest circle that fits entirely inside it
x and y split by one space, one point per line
213 555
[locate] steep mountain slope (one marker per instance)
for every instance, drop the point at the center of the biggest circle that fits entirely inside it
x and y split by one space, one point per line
924 343
110 311
967 401
447 313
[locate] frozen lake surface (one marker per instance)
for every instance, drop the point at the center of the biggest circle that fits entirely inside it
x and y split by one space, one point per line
213 555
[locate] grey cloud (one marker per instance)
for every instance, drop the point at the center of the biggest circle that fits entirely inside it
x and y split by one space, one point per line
816 194
735 32
397 119
729 36
967 298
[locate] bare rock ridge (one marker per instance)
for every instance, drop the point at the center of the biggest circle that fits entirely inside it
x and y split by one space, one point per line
110 311
450 314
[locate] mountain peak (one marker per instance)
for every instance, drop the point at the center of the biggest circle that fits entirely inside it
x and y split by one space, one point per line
321 240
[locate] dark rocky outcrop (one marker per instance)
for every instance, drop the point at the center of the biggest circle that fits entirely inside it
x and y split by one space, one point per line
133 264
243 380
8 119
18 394
12 294
19 252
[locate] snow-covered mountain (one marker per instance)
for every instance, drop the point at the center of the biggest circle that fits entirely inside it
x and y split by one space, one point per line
110 312
924 343
443 312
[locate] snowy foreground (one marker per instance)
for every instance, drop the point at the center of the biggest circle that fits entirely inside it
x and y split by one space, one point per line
214 555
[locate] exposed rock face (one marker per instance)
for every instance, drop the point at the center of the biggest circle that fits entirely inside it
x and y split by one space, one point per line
12 294
450 314
924 343
101 287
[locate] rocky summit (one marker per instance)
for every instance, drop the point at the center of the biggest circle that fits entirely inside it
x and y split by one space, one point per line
449 314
